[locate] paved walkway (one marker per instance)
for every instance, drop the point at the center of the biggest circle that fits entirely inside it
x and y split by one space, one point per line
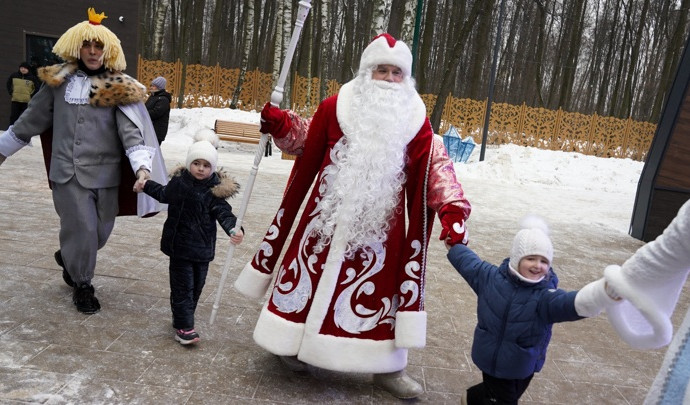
50 353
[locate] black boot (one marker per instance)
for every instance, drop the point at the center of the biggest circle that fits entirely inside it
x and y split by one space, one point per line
84 299
65 274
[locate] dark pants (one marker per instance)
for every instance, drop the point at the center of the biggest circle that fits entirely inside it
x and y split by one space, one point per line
187 280
497 391
17 110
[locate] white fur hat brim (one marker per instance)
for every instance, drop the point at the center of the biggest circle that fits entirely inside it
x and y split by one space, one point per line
386 50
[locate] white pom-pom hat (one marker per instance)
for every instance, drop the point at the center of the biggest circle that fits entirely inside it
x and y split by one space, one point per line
207 134
386 50
203 150
532 239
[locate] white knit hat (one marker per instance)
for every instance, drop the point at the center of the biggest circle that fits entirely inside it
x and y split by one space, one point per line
202 150
532 239
386 50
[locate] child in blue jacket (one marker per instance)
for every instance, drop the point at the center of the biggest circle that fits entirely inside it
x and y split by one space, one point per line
518 302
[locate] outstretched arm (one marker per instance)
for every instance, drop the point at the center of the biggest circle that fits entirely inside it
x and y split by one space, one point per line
651 281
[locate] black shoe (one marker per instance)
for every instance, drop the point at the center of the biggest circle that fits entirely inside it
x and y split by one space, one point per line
84 299
65 274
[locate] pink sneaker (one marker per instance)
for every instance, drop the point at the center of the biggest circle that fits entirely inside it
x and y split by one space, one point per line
186 336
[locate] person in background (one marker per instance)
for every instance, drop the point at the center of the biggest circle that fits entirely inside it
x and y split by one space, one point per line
21 86
349 292
517 303
97 116
158 106
196 197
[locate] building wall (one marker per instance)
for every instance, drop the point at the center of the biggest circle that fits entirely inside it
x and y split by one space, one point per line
51 18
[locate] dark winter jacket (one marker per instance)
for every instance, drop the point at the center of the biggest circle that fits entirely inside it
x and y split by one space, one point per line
514 317
158 105
194 206
22 87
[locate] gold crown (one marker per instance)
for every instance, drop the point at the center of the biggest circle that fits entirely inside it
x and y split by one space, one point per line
96 18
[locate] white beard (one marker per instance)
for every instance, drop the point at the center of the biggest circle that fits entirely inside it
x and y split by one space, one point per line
362 186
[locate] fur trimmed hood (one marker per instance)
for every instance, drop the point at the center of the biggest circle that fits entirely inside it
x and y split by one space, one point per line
225 186
108 89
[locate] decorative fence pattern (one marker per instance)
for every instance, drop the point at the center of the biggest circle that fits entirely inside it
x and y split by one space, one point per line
213 86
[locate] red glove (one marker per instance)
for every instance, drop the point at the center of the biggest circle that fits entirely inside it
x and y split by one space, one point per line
453 223
274 121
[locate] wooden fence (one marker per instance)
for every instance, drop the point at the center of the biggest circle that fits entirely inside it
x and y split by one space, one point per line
213 86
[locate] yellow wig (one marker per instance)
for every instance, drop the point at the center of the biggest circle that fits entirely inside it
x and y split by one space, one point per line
69 44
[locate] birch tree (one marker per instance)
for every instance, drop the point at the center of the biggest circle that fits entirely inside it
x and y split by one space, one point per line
158 25
248 29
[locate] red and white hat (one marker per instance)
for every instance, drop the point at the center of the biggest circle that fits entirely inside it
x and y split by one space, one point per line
386 50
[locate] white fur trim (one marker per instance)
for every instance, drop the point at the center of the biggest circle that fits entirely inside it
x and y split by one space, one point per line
410 329
378 52
639 322
252 283
9 143
277 335
346 119
351 355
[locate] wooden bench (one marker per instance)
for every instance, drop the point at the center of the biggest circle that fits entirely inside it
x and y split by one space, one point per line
245 132
237 131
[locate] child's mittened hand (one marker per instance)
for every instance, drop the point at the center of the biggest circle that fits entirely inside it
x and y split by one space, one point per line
236 237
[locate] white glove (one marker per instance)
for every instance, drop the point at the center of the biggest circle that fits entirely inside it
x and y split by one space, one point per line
651 280
593 298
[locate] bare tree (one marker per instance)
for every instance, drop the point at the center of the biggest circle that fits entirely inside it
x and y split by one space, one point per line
248 17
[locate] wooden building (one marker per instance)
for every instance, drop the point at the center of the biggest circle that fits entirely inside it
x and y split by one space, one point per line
28 31
665 181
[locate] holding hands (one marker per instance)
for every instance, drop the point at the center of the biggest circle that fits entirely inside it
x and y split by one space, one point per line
453 226
142 176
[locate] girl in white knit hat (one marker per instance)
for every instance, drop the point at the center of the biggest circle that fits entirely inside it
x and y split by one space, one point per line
196 197
518 302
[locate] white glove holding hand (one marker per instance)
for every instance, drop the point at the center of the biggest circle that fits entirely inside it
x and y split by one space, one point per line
651 281
594 298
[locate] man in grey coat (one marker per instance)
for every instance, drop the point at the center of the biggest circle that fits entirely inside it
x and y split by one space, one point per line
97 114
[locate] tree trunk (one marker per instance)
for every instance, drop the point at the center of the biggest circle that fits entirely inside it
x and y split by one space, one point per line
448 72
674 50
481 48
626 103
407 30
248 17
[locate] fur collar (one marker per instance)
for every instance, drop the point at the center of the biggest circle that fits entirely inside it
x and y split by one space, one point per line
108 89
225 186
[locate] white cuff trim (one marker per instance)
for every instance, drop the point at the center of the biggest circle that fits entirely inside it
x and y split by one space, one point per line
10 144
410 329
139 156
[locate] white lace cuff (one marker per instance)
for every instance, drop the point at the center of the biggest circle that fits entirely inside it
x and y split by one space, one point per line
140 155
10 144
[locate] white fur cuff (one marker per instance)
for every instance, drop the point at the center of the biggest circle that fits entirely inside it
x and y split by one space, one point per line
639 322
410 329
252 282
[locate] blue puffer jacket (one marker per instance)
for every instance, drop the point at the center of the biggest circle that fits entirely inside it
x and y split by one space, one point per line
514 317
194 206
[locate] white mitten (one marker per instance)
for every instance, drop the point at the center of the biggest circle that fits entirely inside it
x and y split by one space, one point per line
593 298
651 281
